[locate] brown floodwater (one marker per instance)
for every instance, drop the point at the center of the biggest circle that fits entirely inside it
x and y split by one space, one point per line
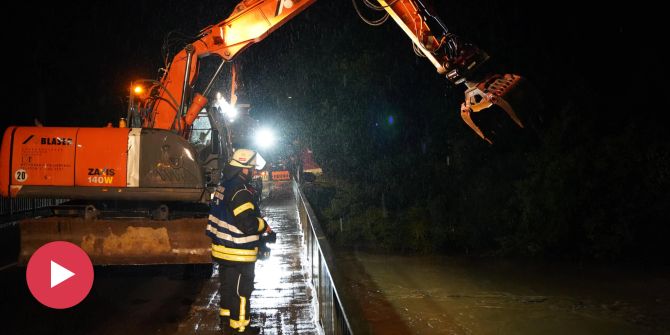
443 295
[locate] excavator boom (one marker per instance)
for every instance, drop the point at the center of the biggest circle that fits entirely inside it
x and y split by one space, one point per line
251 22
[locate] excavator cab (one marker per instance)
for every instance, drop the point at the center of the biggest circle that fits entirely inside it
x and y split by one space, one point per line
209 136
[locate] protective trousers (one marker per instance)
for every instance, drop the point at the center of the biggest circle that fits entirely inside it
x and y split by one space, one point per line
237 283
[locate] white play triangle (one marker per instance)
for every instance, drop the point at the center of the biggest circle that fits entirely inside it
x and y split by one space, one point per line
59 274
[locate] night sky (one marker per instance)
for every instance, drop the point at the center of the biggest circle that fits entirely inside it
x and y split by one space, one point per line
72 64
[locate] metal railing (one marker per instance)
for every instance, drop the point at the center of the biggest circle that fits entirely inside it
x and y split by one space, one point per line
11 206
332 304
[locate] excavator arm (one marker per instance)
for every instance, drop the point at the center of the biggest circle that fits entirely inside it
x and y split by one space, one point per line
253 20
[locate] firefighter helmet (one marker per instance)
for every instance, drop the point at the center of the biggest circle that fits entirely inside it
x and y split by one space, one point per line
245 158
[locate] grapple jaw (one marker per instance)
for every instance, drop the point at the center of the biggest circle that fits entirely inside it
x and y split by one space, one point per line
510 92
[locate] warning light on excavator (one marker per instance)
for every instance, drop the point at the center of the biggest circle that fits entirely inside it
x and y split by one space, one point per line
226 108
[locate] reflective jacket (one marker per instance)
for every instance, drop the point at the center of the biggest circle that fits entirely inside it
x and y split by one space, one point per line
234 223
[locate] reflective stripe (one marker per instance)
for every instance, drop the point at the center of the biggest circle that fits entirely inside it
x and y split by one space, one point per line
233 251
224 224
224 312
234 258
242 208
261 226
227 237
240 190
243 308
239 324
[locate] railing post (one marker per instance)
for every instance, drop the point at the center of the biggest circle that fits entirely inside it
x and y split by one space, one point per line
332 305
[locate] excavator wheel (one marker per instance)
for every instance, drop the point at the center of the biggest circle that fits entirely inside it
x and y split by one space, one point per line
161 213
91 213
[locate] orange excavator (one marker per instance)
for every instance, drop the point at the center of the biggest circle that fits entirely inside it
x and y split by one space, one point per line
172 149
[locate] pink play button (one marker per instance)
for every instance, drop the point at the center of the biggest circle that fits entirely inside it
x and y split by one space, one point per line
59 274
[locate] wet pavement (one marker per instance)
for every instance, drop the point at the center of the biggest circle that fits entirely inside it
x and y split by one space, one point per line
282 301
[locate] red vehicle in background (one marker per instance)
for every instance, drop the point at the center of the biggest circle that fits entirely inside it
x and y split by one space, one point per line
308 164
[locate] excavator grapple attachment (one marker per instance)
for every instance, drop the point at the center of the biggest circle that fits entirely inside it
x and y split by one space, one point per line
510 92
122 241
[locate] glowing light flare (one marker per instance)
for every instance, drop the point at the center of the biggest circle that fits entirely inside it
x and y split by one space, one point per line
226 109
139 91
231 112
265 138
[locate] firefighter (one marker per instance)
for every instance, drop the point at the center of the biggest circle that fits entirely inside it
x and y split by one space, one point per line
235 226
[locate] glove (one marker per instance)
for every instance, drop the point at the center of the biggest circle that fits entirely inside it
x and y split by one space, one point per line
271 237
263 252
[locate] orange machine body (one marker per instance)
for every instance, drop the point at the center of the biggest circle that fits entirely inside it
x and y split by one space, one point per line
99 163
55 156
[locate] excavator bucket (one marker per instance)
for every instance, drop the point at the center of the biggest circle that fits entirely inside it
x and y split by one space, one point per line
516 98
122 241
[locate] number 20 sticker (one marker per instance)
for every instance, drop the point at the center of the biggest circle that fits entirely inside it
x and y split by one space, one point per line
21 175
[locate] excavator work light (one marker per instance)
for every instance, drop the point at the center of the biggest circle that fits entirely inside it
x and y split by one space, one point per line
265 138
